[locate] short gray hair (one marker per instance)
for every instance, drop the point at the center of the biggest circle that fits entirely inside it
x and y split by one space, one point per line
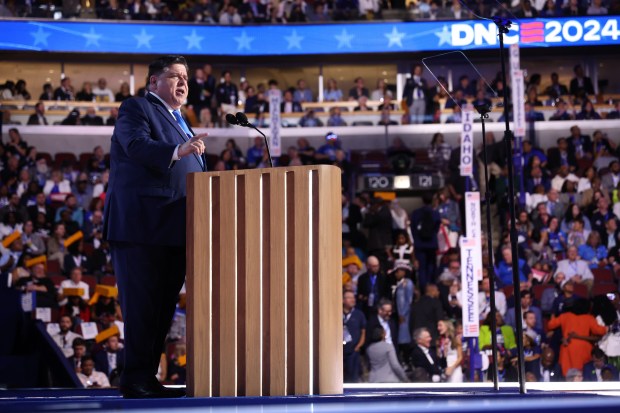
417 333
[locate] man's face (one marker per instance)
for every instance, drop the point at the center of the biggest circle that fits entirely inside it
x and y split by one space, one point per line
113 343
598 362
530 320
171 85
348 300
87 367
352 269
425 339
385 311
76 275
373 266
552 195
64 324
547 358
572 253
79 351
455 268
526 300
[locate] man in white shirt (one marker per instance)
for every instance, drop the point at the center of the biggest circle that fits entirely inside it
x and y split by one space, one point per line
90 377
75 281
484 300
575 269
102 92
64 338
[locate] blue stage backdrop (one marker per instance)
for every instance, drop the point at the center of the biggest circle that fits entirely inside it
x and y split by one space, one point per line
121 37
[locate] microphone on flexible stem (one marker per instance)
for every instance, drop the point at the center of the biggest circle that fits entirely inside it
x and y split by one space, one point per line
242 120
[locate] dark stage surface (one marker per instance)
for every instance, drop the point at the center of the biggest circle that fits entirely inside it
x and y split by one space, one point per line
576 398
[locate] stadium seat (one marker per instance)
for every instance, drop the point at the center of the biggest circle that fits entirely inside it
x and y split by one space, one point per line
57 279
603 275
84 158
581 290
508 290
539 289
64 157
603 288
108 280
53 268
91 280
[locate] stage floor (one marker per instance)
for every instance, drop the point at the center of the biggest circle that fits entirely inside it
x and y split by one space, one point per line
569 398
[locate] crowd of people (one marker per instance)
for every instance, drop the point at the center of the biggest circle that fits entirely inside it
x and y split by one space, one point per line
293 11
402 303
51 226
211 97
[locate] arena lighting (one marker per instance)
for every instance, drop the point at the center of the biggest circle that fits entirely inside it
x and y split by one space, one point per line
402 182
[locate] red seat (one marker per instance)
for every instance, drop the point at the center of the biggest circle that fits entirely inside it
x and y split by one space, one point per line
65 157
108 280
47 157
53 268
581 290
57 279
509 290
603 275
88 249
84 158
91 280
539 289
603 288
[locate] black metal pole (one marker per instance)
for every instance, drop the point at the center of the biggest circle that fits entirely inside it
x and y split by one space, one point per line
484 114
503 25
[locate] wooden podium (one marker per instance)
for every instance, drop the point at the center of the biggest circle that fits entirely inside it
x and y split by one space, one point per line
264 285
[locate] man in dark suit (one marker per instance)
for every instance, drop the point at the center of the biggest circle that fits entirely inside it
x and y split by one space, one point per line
38 117
372 286
560 155
424 361
556 89
383 318
109 360
427 311
593 371
152 151
416 94
580 85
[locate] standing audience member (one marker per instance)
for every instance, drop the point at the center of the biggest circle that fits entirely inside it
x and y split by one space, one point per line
354 337
384 365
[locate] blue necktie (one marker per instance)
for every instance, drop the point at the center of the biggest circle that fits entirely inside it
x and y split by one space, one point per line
179 118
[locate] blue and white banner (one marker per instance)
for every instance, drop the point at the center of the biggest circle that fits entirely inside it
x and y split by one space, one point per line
470 272
467 142
473 227
518 102
275 100
191 39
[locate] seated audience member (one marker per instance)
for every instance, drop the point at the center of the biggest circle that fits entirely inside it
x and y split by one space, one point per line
593 252
505 333
41 207
424 361
614 114
310 120
76 212
575 268
40 283
550 370
90 377
504 269
579 329
588 112
64 337
384 364
566 296
72 119
111 120
57 184
38 117
75 307
531 354
574 375
86 94
76 258
386 119
177 365
362 104
56 245
526 305
335 117
110 357
91 118
106 309
484 300
562 112
79 351
593 371
288 105
74 282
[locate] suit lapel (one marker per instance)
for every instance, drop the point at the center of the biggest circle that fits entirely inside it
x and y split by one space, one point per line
168 116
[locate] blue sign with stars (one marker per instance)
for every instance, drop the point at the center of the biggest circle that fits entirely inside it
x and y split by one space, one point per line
120 37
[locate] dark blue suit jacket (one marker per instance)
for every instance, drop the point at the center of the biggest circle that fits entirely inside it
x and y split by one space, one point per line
145 200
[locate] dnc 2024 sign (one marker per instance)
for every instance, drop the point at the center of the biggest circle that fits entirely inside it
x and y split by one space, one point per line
193 39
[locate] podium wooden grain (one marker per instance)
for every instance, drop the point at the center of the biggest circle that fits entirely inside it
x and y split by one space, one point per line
264 282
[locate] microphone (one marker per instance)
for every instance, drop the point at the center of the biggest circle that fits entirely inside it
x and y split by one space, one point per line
230 118
242 120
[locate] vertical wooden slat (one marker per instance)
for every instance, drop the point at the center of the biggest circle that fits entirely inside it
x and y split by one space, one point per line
228 287
302 286
216 295
266 286
316 299
242 274
330 301
277 291
198 288
253 285
291 285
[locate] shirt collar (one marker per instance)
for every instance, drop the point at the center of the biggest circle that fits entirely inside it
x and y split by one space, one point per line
167 106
